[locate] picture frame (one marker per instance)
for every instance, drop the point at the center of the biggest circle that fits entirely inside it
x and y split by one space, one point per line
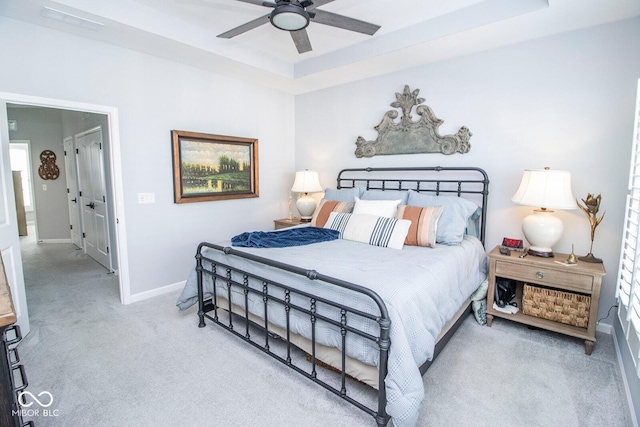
208 167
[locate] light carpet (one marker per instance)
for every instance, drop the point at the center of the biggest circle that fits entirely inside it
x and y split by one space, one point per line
146 364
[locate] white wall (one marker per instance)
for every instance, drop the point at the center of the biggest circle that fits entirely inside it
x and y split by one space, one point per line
566 102
154 96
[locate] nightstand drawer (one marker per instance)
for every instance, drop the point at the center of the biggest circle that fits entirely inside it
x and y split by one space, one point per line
545 276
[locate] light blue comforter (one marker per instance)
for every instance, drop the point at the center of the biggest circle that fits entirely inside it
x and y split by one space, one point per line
422 288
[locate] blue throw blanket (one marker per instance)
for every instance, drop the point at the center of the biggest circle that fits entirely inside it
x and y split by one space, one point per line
284 238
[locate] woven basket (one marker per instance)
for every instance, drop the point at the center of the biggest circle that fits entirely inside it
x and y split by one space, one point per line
550 304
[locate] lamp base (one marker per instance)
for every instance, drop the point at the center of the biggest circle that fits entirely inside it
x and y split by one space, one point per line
543 254
590 258
542 230
306 206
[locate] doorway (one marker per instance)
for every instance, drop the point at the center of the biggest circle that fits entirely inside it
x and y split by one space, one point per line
76 178
20 154
114 182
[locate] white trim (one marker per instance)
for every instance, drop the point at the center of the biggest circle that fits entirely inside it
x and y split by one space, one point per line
115 160
54 241
627 289
157 292
625 382
121 231
604 328
88 131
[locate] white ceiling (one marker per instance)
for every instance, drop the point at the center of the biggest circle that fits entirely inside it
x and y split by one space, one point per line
412 32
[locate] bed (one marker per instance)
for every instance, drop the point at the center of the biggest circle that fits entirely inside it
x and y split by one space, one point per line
358 312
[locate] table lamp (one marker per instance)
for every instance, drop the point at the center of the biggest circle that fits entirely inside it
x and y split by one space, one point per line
306 182
546 189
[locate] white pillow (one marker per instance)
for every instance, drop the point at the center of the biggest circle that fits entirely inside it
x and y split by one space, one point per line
386 208
371 229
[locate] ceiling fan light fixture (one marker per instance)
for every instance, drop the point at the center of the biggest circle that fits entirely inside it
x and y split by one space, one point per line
289 17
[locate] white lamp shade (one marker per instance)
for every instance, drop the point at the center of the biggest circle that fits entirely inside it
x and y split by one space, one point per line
545 188
306 182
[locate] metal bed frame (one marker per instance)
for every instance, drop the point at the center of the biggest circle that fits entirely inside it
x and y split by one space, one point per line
280 296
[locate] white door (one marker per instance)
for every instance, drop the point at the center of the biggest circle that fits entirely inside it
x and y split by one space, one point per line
93 195
9 240
72 191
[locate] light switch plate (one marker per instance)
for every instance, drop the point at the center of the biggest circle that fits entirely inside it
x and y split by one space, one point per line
146 198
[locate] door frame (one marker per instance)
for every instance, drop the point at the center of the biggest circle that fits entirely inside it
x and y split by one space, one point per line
10 242
115 162
70 162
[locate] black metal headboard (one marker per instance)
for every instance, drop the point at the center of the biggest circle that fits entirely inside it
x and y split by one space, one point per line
468 182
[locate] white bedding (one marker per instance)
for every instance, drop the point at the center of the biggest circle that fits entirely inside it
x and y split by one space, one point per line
421 287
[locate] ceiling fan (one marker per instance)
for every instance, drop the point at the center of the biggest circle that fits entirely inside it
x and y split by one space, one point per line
295 15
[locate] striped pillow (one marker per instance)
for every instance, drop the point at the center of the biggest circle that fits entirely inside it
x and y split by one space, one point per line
321 214
424 223
371 229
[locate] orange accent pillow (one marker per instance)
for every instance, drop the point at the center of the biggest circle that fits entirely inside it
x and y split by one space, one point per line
321 215
424 222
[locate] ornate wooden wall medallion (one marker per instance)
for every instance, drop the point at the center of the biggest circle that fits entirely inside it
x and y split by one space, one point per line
410 137
48 168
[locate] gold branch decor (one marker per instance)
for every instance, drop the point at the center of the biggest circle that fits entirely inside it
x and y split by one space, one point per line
591 208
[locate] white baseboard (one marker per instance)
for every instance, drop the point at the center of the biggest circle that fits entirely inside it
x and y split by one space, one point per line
632 412
605 328
54 241
156 292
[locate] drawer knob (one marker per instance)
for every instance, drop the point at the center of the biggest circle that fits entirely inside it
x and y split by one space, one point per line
539 275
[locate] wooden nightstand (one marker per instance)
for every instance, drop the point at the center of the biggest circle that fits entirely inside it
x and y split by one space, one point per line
583 279
286 223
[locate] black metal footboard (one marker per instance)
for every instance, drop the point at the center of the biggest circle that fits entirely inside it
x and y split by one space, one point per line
235 290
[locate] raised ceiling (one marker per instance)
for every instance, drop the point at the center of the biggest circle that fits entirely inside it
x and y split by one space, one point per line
412 32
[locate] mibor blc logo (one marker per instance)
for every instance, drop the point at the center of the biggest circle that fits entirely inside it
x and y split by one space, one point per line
43 401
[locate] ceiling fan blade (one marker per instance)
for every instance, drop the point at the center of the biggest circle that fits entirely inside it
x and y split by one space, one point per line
301 40
245 27
318 3
339 21
258 2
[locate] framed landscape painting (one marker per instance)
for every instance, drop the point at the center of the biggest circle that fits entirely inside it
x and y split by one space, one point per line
213 167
